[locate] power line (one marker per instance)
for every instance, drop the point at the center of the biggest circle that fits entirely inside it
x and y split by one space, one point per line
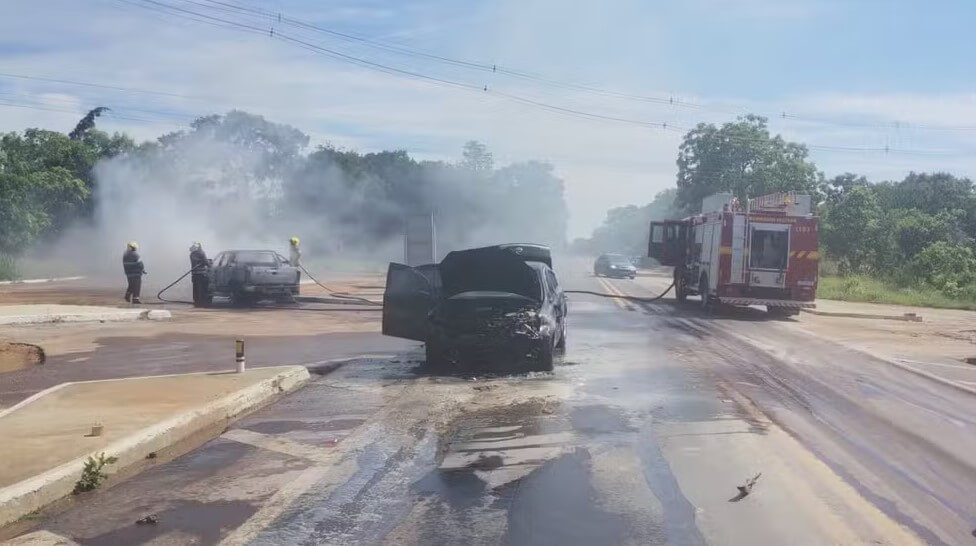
525 75
96 85
470 87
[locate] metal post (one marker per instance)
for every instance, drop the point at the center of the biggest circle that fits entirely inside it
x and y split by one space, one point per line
240 355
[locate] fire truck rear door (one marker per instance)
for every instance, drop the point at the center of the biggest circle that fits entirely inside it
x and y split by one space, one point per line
769 250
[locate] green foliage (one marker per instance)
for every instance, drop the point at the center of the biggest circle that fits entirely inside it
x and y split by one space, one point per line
92 475
946 266
854 212
46 182
914 234
743 158
8 268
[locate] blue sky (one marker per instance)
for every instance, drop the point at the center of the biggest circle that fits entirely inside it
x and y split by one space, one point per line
855 68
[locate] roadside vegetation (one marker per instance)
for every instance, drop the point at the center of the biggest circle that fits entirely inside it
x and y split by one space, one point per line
238 176
8 268
907 241
93 474
861 288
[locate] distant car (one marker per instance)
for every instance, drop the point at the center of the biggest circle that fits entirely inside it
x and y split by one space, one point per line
498 307
614 265
247 276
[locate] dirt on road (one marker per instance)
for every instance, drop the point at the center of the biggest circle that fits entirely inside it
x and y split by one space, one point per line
17 356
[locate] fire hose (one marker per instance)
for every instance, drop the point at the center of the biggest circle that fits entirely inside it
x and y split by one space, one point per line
637 299
339 295
159 295
332 293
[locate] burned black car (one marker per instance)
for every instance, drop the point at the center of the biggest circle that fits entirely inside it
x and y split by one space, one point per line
495 308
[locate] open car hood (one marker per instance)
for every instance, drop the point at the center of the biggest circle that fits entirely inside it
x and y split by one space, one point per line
489 269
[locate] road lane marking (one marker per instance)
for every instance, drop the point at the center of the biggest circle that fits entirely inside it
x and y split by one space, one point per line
614 292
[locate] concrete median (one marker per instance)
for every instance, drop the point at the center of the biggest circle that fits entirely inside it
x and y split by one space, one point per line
48 437
40 314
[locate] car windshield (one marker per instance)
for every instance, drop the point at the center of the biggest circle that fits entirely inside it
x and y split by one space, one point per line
616 259
253 257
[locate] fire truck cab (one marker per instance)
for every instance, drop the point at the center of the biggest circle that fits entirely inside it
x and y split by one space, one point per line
763 253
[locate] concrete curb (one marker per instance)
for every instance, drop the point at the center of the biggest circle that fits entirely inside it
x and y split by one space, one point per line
38 281
120 315
34 493
906 317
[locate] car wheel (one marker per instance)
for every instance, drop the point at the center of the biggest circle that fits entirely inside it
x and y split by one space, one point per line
240 299
561 344
543 355
436 358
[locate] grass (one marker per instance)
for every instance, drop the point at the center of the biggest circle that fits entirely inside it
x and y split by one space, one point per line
8 268
867 289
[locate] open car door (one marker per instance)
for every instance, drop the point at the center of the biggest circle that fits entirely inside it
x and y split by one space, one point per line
667 242
408 298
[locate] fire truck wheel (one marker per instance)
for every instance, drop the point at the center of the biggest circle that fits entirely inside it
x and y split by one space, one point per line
706 298
680 290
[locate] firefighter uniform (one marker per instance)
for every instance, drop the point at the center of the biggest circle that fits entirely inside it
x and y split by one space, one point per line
199 266
294 253
134 270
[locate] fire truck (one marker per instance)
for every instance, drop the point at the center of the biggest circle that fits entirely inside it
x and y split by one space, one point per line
763 253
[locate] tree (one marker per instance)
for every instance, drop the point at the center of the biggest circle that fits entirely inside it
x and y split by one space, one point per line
87 123
946 266
740 157
477 158
850 228
625 229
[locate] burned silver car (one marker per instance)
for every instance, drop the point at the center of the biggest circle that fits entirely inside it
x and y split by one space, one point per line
247 276
494 308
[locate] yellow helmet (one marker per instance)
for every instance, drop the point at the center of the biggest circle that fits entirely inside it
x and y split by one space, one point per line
133 245
294 241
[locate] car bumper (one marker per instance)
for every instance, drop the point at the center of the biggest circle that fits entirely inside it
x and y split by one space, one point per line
491 350
789 304
272 290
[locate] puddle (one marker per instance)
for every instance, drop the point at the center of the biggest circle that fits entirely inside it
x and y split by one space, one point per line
556 504
593 420
203 520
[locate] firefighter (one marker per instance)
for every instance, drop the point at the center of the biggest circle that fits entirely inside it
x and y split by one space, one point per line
134 270
294 253
199 269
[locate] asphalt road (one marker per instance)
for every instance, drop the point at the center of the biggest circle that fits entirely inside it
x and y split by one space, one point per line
651 420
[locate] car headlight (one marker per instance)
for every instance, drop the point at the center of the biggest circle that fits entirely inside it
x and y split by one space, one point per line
613 267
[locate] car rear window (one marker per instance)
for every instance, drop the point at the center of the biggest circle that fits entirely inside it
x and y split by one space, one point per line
256 258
